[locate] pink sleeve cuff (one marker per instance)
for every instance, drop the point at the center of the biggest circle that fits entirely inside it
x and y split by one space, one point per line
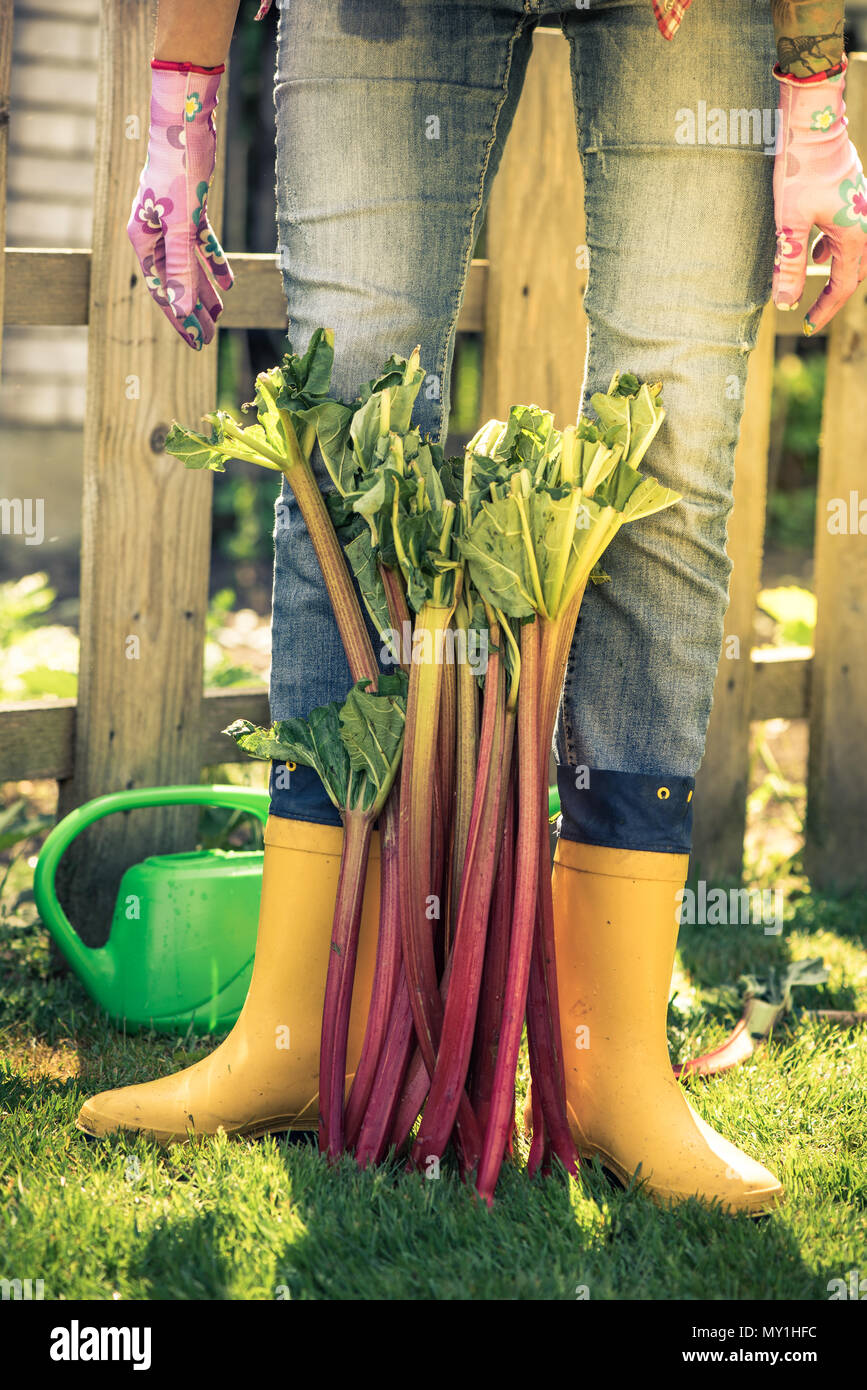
815 77
162 66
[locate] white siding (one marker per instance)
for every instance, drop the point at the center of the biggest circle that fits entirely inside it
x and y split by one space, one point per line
50 194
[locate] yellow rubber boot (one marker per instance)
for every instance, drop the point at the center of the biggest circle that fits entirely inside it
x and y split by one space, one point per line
615 915
265 1076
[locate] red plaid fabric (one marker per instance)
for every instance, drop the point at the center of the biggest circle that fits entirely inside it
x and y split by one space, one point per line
669 13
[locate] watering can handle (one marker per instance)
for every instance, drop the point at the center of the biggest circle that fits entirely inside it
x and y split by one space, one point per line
76 953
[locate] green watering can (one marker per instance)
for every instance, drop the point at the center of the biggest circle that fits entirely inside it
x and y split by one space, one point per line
183 934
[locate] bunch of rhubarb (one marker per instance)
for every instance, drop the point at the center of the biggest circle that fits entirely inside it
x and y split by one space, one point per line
472 570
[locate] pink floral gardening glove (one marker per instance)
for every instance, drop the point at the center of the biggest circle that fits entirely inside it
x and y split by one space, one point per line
183 262
817 180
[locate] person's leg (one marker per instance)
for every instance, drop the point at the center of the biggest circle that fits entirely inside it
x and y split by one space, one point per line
391 121
681 246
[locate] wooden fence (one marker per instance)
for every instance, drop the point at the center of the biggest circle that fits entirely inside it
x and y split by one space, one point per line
146 522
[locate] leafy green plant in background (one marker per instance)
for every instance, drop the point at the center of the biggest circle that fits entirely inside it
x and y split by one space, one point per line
791 518
799 388
796 419
794 610
221 671
38 656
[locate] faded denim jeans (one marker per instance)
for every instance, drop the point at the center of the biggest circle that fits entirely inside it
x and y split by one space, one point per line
376 224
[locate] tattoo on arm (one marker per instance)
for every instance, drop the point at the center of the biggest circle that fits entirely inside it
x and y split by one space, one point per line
809 35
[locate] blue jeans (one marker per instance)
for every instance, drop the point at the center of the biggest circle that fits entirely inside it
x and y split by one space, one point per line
376 225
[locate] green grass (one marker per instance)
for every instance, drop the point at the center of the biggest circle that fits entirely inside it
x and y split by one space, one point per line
267 1219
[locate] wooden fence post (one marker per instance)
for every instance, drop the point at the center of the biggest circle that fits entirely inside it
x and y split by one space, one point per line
837 774
146 521
535 227
721 784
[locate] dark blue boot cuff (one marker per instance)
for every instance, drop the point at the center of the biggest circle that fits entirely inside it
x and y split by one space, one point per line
626 810
298 794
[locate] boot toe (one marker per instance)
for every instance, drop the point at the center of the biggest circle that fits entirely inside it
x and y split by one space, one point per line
747 1184
100 1115
152 1109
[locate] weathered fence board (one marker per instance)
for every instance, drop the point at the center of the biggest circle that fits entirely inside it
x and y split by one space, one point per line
535 225
721 784
53 287
37 739
146 522
837 775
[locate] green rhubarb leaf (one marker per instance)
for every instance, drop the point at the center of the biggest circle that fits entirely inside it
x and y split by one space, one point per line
615 417
428 567
401 377
403 397
315 742
363 563
452 479
427 462
322 749
647 416
373 499
346 522
495 552
332 421
312 377
560 527
270 399
372 726
228 440
531 439
196 450
648 498
386 405
258 742
486 441
368 423
619 486
309 377
527 439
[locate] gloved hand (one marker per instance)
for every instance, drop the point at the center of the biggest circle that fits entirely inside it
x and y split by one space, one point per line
182 260
817 180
